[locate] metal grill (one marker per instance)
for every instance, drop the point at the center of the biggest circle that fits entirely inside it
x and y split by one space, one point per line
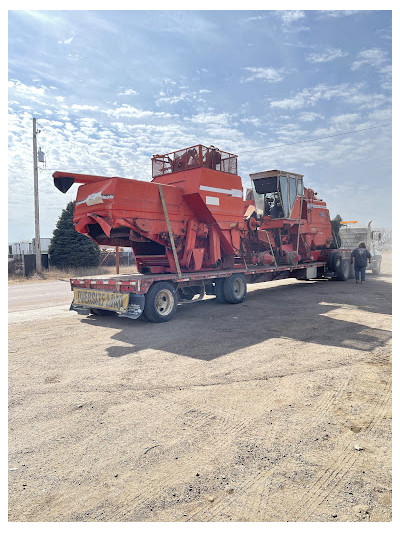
194 157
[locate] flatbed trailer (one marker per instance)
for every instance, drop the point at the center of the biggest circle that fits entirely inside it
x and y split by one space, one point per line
157 295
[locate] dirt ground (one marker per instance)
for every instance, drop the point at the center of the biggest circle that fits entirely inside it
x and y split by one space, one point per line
278 409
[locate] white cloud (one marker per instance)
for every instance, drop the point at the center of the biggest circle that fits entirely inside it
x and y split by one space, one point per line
210 118
377 59
308 116
66 41
349 94
128 111
251 120
128 92
374 57
291 16
29 92
84 107
329 55
337 13
269 74
344 119
172 99
290 20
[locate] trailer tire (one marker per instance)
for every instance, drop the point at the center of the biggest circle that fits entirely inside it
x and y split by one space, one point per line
161 302
334 260
343 270
235 289
102 312
219 291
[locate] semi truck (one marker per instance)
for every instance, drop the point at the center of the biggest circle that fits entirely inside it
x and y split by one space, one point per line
351 236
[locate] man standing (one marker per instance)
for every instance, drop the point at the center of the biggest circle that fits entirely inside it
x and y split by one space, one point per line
360 256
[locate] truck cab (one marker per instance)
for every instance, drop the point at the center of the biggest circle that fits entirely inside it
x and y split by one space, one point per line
351 236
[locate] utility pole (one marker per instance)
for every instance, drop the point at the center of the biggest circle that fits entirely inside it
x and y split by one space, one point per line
36 195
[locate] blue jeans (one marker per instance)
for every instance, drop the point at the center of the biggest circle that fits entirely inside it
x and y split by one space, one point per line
359 271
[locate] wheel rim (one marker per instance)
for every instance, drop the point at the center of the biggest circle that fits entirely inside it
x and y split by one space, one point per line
165 302
238 288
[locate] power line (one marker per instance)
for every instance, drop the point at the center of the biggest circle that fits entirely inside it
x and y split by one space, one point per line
275 146
317 138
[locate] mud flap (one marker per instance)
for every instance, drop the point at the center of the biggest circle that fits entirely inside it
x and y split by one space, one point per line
81 310
135 307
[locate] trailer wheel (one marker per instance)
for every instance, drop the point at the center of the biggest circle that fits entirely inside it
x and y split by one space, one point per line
160 302
235 289
343 271
219 291
102 312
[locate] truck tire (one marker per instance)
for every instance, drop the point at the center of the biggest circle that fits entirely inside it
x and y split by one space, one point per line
377 269
235 289
161 302
219 291
352 273
343 270
334 260
102 312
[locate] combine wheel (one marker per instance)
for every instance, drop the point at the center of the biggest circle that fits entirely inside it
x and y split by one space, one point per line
160 302
219 291
235 289
343 272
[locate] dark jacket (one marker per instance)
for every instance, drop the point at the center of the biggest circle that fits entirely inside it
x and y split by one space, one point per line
361 256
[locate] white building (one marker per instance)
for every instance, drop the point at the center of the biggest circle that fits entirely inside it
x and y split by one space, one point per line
25 247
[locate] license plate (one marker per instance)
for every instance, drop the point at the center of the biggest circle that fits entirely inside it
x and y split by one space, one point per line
101 299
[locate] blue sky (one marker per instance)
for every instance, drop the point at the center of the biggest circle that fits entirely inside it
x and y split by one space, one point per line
112 88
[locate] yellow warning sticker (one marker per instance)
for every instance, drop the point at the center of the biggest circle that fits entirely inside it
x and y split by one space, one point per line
101 299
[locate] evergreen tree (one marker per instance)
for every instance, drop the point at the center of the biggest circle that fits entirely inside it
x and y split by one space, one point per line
70 249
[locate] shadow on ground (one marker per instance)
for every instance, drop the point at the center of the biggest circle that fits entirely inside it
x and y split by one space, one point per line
207 330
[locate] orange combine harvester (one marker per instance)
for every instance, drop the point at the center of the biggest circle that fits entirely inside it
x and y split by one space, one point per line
195 218
212 225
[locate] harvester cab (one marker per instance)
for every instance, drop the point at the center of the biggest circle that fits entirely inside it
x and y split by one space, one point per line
292 223
275 192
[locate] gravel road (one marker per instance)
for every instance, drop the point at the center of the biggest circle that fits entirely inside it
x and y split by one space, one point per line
277 409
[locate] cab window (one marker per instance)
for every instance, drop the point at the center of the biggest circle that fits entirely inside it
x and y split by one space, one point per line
292 192
283 183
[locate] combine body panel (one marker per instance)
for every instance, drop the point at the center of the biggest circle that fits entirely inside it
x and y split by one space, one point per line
193 233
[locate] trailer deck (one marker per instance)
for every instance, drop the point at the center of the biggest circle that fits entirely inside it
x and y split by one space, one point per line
124 294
